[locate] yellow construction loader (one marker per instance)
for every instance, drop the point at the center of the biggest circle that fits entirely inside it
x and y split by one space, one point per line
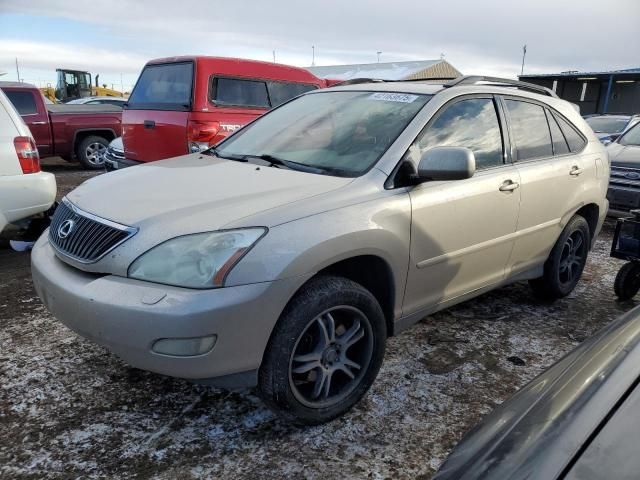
73 84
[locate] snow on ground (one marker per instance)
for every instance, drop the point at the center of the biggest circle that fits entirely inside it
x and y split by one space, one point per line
69 408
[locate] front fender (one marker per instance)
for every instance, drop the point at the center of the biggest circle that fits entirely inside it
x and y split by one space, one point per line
379 227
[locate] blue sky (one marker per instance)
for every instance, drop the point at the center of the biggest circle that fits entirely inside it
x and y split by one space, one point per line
117 37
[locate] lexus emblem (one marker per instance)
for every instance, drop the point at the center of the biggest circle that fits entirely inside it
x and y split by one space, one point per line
66 228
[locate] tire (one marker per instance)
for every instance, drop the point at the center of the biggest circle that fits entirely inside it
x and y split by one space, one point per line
627 281
565 264
90 152
297 358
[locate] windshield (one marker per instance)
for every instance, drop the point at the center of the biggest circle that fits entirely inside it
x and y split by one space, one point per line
632 137
339 133
607 125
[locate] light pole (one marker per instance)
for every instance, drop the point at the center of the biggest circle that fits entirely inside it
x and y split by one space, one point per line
524 54
313 55
379 53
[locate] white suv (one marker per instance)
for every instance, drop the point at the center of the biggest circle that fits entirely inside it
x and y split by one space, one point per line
24 189
284 257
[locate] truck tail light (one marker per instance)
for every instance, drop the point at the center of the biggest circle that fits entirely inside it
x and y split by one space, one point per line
27 154
201 135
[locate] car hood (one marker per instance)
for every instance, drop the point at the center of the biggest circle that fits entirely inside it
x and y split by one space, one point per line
535 433
196 192
624 155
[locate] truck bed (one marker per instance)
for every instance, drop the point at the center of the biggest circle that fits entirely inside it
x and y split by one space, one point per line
61 108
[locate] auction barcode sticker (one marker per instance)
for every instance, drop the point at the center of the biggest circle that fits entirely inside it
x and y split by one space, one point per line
393 97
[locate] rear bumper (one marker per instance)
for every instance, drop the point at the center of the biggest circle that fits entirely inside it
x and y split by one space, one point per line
128 316
22 196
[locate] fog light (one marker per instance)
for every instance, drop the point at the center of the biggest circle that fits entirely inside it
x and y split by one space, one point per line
184 347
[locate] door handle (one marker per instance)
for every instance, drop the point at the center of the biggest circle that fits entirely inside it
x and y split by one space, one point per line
38 123
509 186
149 124
575 171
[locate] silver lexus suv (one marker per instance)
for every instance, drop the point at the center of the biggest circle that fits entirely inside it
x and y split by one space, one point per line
284 257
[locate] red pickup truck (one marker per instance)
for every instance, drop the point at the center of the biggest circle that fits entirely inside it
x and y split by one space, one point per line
183 105
73 132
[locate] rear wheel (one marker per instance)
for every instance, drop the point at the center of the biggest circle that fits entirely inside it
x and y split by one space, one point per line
627 281
325 351
91 150
565 264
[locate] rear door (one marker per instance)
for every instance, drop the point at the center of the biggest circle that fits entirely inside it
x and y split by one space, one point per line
154 124
550 169
33 112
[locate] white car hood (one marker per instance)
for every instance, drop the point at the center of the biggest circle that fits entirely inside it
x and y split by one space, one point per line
196 193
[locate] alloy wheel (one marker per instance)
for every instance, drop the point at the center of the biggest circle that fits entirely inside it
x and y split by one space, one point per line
95 152
331 356
572 258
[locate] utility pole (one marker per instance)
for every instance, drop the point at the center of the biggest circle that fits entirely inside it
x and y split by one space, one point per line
274 56
524 54
121 86
379 53
313 55
17 69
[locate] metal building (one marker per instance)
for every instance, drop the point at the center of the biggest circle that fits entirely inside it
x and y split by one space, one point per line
418 70
616 91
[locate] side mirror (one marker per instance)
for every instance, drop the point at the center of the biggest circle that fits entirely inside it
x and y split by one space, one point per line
447 163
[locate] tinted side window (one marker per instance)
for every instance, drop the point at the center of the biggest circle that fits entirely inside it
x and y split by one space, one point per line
560 146
574 139
24 102
530 130
471 123
246 93
280 92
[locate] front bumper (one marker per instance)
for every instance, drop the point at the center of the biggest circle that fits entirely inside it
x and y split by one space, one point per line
127 316
622 199
112 163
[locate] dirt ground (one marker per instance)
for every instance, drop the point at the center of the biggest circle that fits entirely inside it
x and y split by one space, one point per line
70 409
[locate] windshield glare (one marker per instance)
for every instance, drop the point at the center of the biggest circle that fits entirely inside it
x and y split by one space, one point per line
342 133
632 137
607 125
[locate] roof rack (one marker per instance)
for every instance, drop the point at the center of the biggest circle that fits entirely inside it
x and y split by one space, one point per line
504 82
355 81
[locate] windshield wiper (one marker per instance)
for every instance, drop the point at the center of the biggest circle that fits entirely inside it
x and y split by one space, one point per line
227 156
281 162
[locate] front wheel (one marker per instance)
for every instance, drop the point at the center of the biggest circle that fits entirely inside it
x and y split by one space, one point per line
325 351
91 151
565 264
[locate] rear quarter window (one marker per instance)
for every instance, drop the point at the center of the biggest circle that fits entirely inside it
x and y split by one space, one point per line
574 139
24 102
164 86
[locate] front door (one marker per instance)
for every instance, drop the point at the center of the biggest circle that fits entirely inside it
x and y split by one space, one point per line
462 231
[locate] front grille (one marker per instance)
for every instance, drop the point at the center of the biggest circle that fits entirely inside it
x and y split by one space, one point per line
83 236
115 154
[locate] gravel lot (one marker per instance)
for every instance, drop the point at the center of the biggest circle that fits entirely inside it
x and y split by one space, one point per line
69 408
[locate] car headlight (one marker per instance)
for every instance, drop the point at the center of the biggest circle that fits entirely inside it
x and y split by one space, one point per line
200 260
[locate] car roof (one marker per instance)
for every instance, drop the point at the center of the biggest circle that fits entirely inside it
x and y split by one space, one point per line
17 85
